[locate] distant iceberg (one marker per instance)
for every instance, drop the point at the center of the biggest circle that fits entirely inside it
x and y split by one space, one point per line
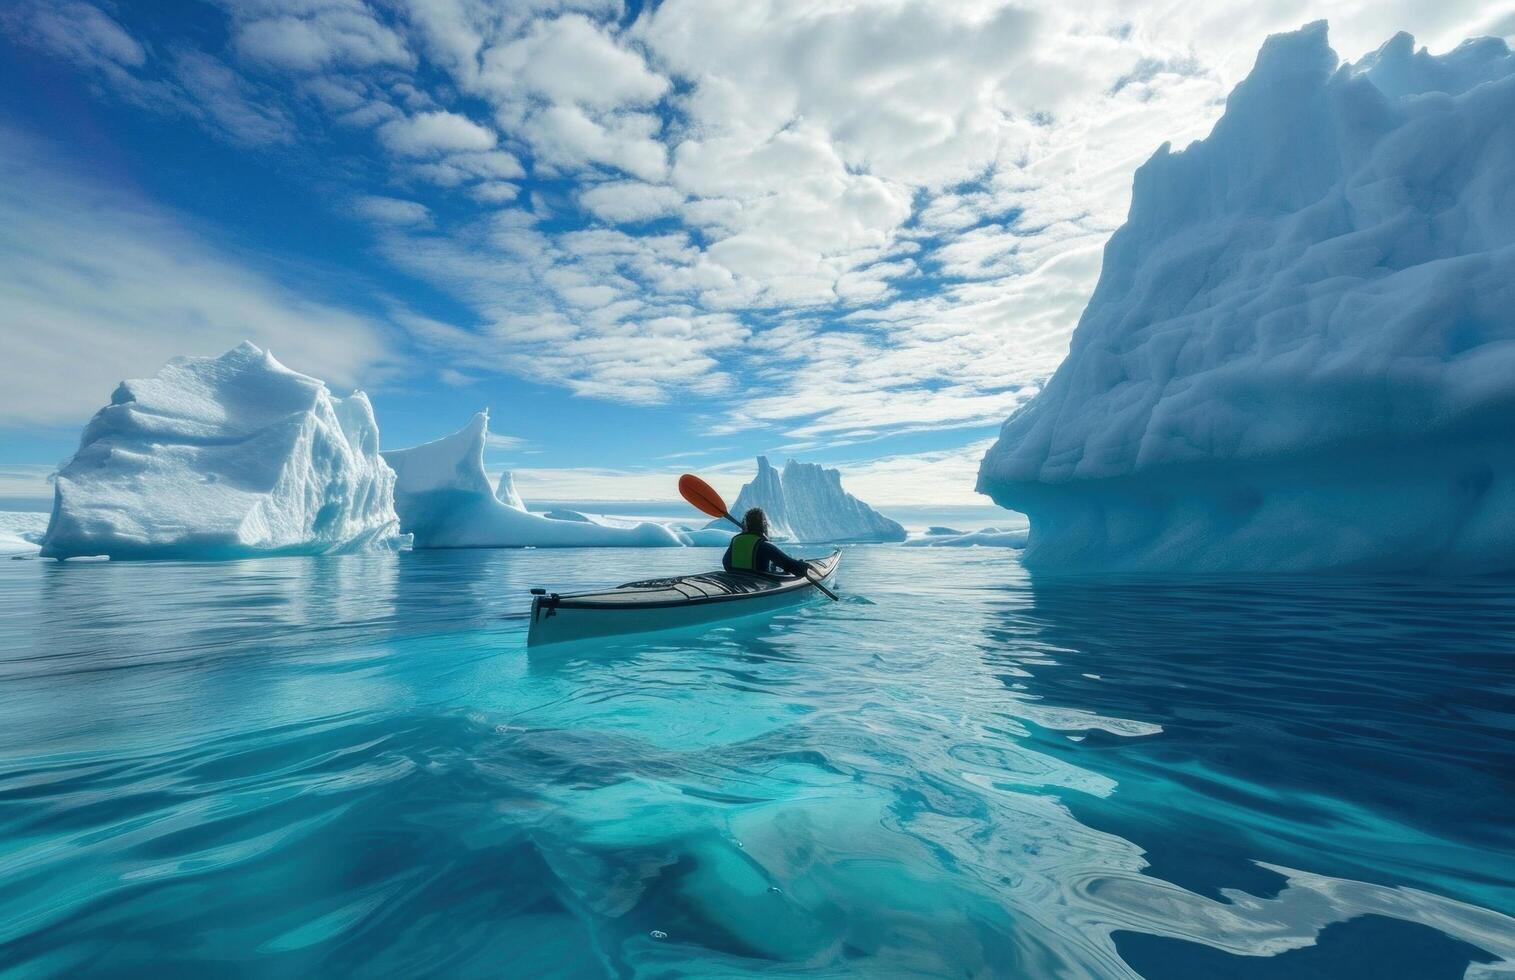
226 457
703 537
1301 351
444 499
21 533
807 503
989 537
505 492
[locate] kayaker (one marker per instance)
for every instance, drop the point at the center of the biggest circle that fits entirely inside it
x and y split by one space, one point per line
751 551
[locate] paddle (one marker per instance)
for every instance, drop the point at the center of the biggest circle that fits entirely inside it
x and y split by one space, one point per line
704 498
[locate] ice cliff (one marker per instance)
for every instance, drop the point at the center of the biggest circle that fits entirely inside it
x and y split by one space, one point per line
224 457
807 503
1301 351
444 499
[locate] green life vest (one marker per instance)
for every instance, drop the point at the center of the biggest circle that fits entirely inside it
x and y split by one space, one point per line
744 551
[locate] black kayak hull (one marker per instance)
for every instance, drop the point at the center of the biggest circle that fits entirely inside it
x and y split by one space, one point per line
669 604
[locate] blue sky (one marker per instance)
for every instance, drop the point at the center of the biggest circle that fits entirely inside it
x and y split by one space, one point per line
647 239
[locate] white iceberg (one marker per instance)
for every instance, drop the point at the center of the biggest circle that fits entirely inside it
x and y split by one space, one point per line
444 499
806 503
225 457
1301 351
989 537
703 537
505 492
21 532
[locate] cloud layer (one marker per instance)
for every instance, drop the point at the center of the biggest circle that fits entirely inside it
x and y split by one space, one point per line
851 218
96 286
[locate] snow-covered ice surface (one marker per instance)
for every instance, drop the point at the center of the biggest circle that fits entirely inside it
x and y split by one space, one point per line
807 503
1301 351
21 532
225 457
444 499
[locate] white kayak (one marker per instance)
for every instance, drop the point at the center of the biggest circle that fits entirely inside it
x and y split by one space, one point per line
668 603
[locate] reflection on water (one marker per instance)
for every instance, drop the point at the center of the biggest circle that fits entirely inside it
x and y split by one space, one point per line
342 765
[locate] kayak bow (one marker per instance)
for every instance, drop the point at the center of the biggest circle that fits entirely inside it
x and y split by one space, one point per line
668 603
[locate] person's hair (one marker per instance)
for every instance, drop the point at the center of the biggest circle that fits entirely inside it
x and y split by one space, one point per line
755 522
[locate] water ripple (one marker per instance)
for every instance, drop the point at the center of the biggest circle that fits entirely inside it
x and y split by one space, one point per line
353 765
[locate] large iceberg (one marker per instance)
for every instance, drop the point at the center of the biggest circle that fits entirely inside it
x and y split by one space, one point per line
1301 350
445 501
807 503
225 457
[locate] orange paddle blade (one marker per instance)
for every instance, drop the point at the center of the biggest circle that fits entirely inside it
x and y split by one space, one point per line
702 495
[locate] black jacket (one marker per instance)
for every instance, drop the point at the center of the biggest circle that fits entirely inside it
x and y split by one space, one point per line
769 559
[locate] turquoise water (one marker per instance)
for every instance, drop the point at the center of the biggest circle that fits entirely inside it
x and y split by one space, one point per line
354 766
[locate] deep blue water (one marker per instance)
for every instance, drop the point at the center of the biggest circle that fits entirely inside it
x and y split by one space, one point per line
353 766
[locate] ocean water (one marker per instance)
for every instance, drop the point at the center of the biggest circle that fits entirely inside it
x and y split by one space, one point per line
354 766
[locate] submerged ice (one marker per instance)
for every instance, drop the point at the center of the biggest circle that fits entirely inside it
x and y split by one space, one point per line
806 502
444 499
224 457
1301 351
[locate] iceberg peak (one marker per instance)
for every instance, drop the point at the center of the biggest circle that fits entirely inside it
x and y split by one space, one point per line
505 492
1398 69
806 503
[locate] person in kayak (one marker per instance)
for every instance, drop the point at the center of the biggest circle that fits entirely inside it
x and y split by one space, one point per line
751 551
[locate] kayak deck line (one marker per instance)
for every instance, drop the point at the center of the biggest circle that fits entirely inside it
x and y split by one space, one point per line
667 603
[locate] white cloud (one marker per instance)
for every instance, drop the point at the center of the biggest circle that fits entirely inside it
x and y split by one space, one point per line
83 33
342 34
496 192
500 442
432 133
227 101
575 92
629 201
461 168
568 138
552 314
180 81
96 287
568 60
27 480
392 210
945 476
884 214
910 91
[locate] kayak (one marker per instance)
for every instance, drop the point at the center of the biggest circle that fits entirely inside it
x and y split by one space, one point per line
668 603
